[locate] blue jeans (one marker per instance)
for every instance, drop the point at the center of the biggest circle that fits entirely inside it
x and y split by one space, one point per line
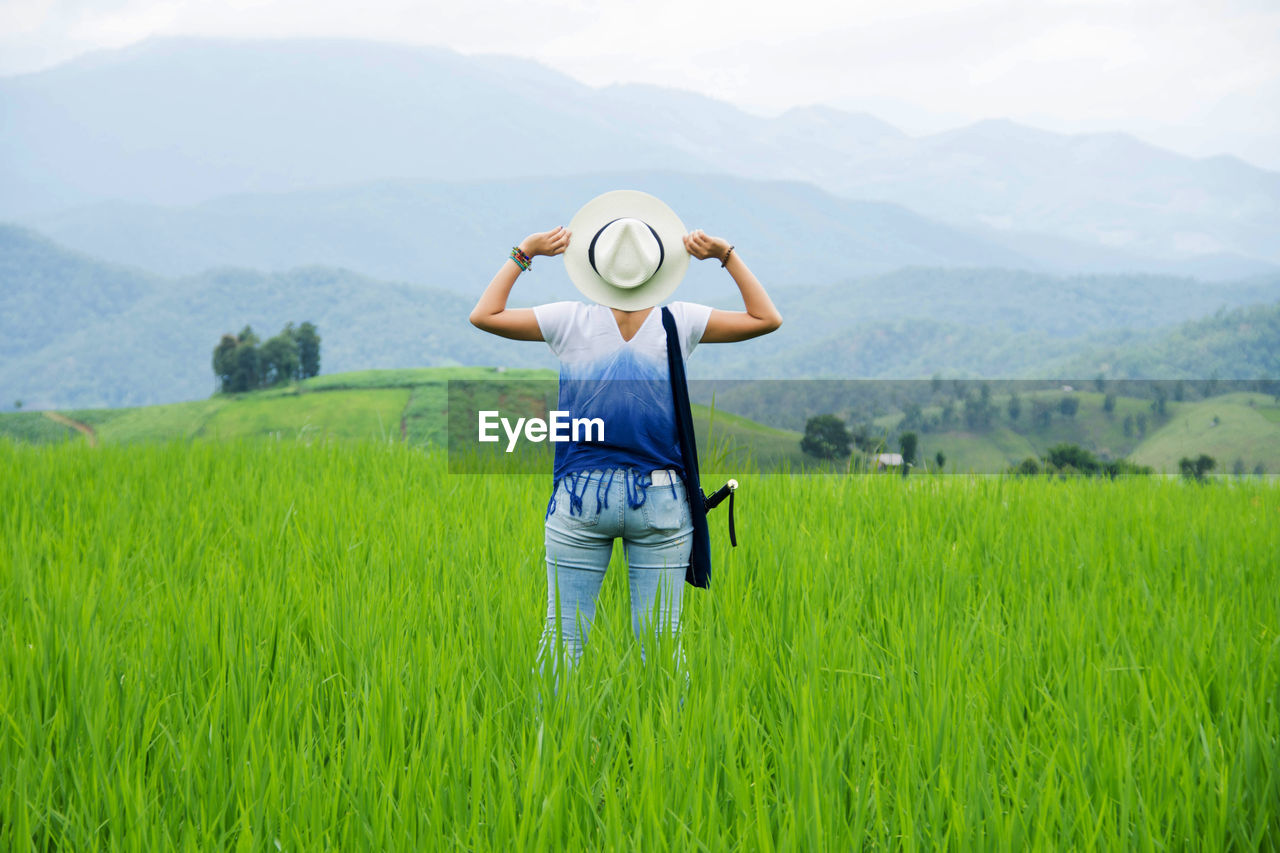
587 511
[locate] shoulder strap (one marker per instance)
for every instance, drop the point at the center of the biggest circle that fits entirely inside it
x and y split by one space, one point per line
699 572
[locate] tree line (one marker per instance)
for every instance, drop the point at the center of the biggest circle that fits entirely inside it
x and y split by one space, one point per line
243 363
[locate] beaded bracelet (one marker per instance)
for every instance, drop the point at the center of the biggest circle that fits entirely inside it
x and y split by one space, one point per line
521 259
724 262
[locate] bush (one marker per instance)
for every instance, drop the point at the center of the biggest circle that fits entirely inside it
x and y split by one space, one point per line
826 437
1196 469
1070 460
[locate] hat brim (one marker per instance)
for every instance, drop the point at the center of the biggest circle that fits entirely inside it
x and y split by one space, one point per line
602 210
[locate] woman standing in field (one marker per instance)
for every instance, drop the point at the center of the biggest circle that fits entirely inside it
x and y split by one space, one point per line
629 254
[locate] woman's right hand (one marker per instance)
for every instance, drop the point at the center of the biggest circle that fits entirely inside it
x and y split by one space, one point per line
548 243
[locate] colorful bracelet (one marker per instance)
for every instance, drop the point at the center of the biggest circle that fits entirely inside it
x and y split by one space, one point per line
724 262
521 259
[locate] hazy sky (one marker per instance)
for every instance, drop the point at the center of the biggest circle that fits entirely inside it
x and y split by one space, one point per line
1199 76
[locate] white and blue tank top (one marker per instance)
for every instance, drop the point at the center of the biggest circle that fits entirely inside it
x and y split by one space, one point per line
624 383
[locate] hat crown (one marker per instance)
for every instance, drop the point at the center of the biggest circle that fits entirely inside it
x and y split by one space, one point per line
626 252
613 261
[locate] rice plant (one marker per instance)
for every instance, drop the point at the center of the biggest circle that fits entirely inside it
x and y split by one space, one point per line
270 645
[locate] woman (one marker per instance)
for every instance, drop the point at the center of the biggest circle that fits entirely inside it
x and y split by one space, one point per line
630 253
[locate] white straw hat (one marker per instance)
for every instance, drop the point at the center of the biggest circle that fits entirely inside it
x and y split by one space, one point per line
627 250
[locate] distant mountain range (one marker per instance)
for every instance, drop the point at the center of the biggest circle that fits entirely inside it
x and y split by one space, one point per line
114 336
451 234
78 332
182 121
454 235
178 189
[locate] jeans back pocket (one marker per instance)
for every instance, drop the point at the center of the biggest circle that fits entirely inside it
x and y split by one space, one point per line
665 510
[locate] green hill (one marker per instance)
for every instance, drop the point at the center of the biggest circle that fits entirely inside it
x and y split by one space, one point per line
1248 429
384 405
1230 428
412 406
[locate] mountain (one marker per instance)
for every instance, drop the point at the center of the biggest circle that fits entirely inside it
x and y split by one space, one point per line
47 292
180 121
453 234
1105 189
155 343
1239 344
80 332
917 322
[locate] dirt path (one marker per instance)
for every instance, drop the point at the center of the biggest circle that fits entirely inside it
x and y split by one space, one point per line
89 434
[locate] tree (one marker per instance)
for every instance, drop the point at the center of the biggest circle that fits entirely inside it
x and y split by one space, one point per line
1069 405
1237 468
17 404
279 359
308 340
1142 423
947 417
978 411
1041 414
866 439
1159 404
1109 403
1204 464
908 442
1028 467
1015 407
1258 470
241 364
224 364
1070 457
235 362
826 437
1128 426
1100 382
1196 469
912 417
940 459
246 371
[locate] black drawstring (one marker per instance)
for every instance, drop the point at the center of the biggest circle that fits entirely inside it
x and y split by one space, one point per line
733 533
717 497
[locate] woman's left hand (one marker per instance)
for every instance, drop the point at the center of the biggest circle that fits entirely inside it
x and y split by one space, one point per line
548 243
702 245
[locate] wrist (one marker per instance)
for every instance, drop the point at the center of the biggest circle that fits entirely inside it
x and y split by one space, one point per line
521 258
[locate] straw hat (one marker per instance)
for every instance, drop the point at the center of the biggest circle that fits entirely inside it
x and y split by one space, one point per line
627 250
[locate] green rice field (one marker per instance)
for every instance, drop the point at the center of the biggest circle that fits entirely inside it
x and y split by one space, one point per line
282 645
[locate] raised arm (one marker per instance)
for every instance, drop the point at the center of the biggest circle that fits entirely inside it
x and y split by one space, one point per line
492 314
760 316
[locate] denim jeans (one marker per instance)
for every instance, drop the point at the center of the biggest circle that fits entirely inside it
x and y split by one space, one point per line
649 510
